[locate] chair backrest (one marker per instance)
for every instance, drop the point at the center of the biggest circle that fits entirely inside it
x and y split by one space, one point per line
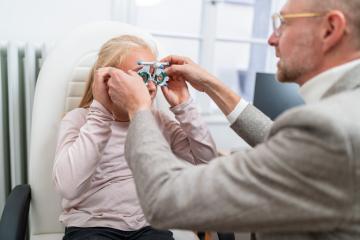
59 89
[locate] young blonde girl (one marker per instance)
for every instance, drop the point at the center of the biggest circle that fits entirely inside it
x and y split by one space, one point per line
90 172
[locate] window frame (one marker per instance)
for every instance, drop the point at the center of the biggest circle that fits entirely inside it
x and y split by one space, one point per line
125 11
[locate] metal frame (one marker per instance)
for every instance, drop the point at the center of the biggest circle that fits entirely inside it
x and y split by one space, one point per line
17 132
4 127
30 73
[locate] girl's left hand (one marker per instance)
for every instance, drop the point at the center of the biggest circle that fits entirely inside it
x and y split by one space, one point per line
176 92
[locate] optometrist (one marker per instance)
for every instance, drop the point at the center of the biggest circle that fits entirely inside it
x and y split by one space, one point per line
301 180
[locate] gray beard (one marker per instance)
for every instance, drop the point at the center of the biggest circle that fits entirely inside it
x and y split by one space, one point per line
286 75
302 62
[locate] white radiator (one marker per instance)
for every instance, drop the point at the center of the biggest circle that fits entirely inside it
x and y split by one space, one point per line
19 67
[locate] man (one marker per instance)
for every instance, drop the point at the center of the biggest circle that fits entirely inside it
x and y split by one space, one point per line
302 178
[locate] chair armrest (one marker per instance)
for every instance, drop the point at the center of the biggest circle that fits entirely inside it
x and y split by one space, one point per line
13 223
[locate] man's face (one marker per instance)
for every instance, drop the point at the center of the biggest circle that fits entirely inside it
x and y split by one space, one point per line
298 47
130 62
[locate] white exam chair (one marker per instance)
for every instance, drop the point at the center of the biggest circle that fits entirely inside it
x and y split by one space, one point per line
59 88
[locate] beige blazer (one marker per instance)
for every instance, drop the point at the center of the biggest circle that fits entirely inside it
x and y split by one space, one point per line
301 180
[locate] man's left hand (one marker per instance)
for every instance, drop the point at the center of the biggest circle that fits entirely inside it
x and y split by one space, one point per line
128 91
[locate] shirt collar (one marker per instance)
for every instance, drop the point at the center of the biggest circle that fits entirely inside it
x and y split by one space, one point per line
315 88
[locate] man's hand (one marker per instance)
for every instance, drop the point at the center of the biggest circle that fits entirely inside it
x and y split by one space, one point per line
128 91
183 69
176 92
100 87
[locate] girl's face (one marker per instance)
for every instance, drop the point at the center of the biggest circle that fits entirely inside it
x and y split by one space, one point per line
130 63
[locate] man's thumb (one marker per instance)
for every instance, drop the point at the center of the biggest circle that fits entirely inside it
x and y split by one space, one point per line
132 73
174 70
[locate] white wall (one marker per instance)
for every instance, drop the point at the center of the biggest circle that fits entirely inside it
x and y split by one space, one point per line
40 21
47 21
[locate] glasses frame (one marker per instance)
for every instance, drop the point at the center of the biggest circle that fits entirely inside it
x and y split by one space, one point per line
283 17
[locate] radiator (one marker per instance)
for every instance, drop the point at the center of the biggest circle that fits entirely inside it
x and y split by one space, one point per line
19 67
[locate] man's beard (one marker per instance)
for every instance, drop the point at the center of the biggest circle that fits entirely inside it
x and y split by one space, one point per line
288 74
293 72
302 61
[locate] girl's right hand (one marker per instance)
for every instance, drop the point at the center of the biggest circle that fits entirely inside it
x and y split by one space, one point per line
100 88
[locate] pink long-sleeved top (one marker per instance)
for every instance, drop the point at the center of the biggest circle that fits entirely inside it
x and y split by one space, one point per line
90 171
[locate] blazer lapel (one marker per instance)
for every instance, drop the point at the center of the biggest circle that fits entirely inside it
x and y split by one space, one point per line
350 80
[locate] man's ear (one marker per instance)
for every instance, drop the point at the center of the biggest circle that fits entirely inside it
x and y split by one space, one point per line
334 29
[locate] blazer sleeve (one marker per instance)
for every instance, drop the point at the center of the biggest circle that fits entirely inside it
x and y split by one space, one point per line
252 125
293 181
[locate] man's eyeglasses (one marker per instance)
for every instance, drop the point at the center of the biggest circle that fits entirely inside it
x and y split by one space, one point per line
279 19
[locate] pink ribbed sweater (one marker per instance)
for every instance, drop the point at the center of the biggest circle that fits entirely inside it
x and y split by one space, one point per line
90 171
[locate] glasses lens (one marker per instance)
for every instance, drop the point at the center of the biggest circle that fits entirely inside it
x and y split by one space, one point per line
276 23
145 76
144 72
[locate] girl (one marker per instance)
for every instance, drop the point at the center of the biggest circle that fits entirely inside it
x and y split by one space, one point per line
97 188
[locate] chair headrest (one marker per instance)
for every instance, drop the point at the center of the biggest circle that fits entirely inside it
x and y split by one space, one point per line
59 88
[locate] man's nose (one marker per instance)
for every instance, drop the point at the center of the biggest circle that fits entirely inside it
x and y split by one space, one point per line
273 40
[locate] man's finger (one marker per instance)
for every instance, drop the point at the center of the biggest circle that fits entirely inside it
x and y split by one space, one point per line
175 70
118 74
101 73
165 90
175 59
104 70
133 73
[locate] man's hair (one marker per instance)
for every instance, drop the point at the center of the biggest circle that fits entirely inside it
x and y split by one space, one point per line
351 10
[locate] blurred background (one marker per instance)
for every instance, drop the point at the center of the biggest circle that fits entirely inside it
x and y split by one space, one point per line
228 38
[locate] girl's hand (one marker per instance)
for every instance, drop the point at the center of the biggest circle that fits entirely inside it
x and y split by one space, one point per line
176 92
100 88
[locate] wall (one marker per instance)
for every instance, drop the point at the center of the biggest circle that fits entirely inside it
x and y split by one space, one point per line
47 21
40 21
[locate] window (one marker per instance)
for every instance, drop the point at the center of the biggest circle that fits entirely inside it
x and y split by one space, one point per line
228 38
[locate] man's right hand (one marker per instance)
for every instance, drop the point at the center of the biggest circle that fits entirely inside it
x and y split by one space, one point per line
183 68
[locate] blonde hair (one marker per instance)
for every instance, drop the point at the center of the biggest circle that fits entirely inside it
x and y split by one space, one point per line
112 54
